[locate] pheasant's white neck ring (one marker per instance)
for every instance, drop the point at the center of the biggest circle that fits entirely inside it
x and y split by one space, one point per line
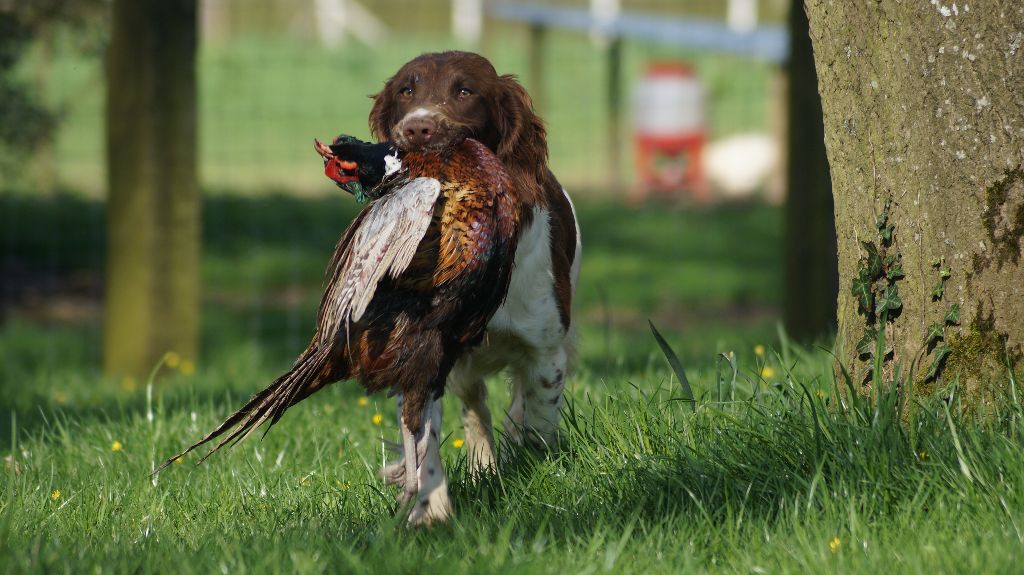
392 164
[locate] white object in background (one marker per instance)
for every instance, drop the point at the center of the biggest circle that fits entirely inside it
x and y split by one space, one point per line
668 101
741 165
741 15
603 13
467 20
335 17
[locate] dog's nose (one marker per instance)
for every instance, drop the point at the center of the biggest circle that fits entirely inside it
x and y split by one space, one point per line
418 131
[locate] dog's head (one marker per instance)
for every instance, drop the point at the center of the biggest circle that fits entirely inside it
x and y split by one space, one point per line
440 98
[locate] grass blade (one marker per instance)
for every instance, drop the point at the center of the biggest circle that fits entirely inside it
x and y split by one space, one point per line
676 365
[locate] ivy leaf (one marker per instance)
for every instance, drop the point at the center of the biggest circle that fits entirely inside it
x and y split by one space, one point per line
938 291
953 315
895 270
866 345
861 289
883 218
874 261
890 301
934 333
886 233
941 353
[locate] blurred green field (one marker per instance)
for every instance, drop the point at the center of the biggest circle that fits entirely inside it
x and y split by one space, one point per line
264 99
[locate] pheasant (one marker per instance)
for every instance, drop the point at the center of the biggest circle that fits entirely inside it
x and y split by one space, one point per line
411 286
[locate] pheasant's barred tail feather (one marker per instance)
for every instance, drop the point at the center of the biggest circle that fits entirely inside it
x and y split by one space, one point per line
308 375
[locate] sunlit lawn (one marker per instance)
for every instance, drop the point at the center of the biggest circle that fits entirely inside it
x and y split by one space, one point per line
769 475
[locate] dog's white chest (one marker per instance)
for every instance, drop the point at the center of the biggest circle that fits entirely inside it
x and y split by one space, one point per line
530 311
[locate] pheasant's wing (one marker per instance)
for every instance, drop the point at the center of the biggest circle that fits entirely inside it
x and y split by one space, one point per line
382 241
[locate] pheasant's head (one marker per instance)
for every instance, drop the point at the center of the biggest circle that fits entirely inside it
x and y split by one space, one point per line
359 167
344 172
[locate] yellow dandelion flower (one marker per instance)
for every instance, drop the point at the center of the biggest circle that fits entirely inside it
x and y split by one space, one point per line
128 384
363 401
172 359
179 460
834 544
60 397
116 446
377 419
55 495
922 455
188 368
767 372
759 350
458 443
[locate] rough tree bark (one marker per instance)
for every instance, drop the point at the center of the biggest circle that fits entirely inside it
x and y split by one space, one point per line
924 123
152 284
810 242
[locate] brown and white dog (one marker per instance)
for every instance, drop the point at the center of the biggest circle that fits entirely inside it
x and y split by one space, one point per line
431 100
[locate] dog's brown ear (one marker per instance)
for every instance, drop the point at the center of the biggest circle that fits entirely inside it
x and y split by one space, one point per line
522 139
382 115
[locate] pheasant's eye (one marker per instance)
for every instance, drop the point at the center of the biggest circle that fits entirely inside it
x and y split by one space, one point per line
406 91
465 92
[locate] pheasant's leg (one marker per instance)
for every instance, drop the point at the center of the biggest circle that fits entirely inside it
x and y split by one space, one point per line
537 404
394 473
409 456
432 502
476 423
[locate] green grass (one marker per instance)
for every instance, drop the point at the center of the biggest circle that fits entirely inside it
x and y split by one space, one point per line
776 478
766 476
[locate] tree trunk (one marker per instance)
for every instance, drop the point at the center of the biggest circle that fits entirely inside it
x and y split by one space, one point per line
152 286
924 125
810 242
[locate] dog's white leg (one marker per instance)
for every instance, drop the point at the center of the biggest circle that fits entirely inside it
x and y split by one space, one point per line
430 484
476 421
537 398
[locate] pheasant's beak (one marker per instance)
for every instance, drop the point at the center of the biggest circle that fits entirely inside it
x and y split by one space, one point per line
335 168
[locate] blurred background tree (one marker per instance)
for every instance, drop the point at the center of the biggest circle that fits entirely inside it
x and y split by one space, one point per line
153 229
28 116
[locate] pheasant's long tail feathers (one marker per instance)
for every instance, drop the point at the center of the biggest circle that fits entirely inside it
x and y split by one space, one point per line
306 376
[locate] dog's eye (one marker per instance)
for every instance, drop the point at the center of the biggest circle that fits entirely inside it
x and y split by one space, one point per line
465 92
406 91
